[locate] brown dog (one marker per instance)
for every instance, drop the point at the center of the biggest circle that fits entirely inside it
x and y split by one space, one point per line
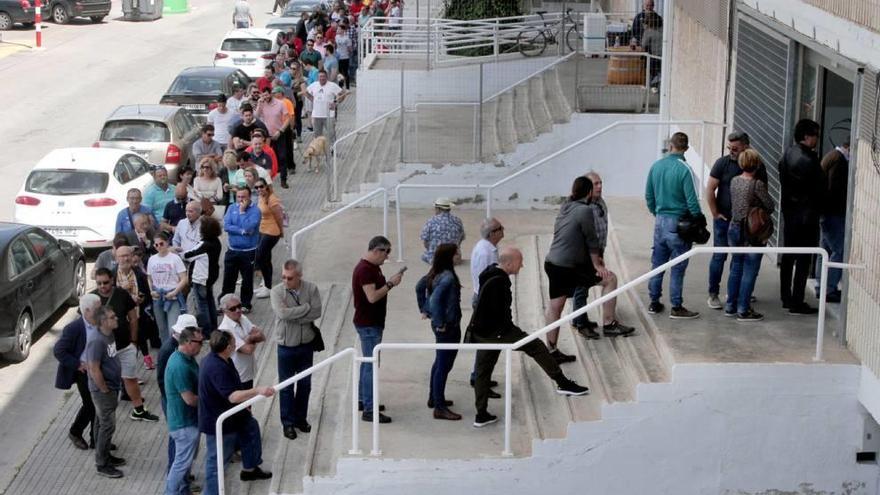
316 151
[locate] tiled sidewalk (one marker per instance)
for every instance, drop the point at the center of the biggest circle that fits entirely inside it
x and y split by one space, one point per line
55 467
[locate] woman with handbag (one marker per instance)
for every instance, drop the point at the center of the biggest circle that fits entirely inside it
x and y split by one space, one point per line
439 297
750 225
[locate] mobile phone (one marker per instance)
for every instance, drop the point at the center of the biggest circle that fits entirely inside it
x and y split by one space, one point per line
400 272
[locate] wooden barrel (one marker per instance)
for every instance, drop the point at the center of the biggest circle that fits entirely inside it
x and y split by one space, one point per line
626 69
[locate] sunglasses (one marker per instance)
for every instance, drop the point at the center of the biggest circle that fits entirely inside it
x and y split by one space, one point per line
211 134
198 341
99 282
237 307
384 250
259 187
159 243
206 167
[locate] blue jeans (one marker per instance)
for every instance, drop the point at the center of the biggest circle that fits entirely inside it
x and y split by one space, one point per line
166 316
235 262
171 448
186 441
668 245
207 308
295 398
443 362
743 273
247 438
833 235
716 266
578 301
370 338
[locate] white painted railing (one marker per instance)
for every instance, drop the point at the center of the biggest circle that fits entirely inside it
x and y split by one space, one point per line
362 199
509 348
488 188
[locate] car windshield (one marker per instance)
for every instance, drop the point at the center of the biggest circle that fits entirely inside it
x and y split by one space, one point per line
203 85
246 45
295 7
66 182
136 130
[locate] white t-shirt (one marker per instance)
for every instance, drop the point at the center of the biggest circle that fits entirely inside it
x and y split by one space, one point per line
241 11
323 96
164 270
244 363
221 123
233 104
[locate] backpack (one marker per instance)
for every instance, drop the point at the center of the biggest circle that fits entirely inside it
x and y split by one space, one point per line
758 222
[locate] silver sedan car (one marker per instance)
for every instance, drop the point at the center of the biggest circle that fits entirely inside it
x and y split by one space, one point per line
161 134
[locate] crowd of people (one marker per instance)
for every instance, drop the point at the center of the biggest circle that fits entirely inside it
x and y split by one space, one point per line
813 198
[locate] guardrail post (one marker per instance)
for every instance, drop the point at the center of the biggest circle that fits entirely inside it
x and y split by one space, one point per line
355 431
823 292
374 363
479 153
385 212
489 202
496 47
428 38
402 114
508 399
399 223
334 190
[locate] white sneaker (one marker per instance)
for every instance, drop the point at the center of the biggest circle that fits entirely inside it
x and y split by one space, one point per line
261 293
714 302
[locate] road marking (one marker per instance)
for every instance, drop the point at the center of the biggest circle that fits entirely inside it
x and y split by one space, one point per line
7 49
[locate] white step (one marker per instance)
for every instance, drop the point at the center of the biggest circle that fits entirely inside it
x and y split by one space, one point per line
556 100
507 137
541 118
525 128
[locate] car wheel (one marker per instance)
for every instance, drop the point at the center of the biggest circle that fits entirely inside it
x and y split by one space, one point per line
97 18
5 21
59 14
23 331
79 283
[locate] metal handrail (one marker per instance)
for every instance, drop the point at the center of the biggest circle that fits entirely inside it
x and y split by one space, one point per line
508 348
377 191
334 194
504 180
348 352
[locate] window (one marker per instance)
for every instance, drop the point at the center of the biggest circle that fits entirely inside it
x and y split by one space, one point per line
66 182
204 85
136 130
246 45
20 258
137 165
44 247
121 172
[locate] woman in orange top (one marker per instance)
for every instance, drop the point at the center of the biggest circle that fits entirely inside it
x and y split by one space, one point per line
271 230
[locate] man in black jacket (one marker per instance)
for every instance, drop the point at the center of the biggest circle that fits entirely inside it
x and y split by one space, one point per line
72 370
492 323
802 190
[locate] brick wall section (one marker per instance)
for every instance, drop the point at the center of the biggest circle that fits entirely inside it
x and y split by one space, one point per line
863 12
698 76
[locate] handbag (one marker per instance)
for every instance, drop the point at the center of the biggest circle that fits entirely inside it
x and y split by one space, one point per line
758 222
318 341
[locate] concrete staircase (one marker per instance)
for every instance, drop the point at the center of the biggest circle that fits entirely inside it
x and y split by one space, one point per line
611 367
446 134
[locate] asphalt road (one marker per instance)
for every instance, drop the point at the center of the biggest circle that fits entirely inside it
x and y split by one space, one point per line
58 98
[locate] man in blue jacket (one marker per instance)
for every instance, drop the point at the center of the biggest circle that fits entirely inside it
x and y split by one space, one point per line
72 370
670 193
242 225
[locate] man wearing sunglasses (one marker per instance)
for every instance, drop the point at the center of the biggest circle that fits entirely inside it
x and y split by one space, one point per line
181 392
370 291
247 336
206 146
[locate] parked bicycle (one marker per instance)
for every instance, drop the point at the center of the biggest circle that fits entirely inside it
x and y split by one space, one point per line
532 41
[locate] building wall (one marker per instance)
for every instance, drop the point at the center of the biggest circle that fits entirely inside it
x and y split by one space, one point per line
699 58
862 12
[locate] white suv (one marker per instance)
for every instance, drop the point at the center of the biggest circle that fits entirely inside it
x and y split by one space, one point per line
250 50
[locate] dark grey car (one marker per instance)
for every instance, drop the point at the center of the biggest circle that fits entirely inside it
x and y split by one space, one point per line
161 134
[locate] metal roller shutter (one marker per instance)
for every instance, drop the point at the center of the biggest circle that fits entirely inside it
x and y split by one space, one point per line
761 99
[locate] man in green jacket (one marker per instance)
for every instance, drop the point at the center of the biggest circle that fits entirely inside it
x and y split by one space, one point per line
670 193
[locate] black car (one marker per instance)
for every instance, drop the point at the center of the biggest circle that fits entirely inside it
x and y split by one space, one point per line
16 11
62 11
38 275
196 88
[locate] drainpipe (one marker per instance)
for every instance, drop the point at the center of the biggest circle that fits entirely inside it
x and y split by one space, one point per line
731 38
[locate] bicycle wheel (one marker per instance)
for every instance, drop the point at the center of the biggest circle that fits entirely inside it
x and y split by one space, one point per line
573 39
531 43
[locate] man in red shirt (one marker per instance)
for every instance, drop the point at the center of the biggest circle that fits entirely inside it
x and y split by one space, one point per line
275 115
370 291
261 154
265 83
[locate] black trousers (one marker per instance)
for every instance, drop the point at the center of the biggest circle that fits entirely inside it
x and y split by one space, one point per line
282 153
486 363
800 229
86 414
344 68
297 119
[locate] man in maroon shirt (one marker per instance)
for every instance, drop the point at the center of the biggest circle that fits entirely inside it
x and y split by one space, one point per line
370 290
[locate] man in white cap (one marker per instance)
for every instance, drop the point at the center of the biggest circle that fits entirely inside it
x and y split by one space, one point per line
165 352
442 228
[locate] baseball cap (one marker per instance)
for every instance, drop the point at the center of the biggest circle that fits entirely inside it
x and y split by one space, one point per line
277 89
184 321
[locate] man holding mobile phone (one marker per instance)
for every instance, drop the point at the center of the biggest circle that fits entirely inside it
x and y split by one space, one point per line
370 290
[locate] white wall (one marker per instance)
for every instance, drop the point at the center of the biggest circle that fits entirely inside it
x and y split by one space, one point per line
379 89
732 429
